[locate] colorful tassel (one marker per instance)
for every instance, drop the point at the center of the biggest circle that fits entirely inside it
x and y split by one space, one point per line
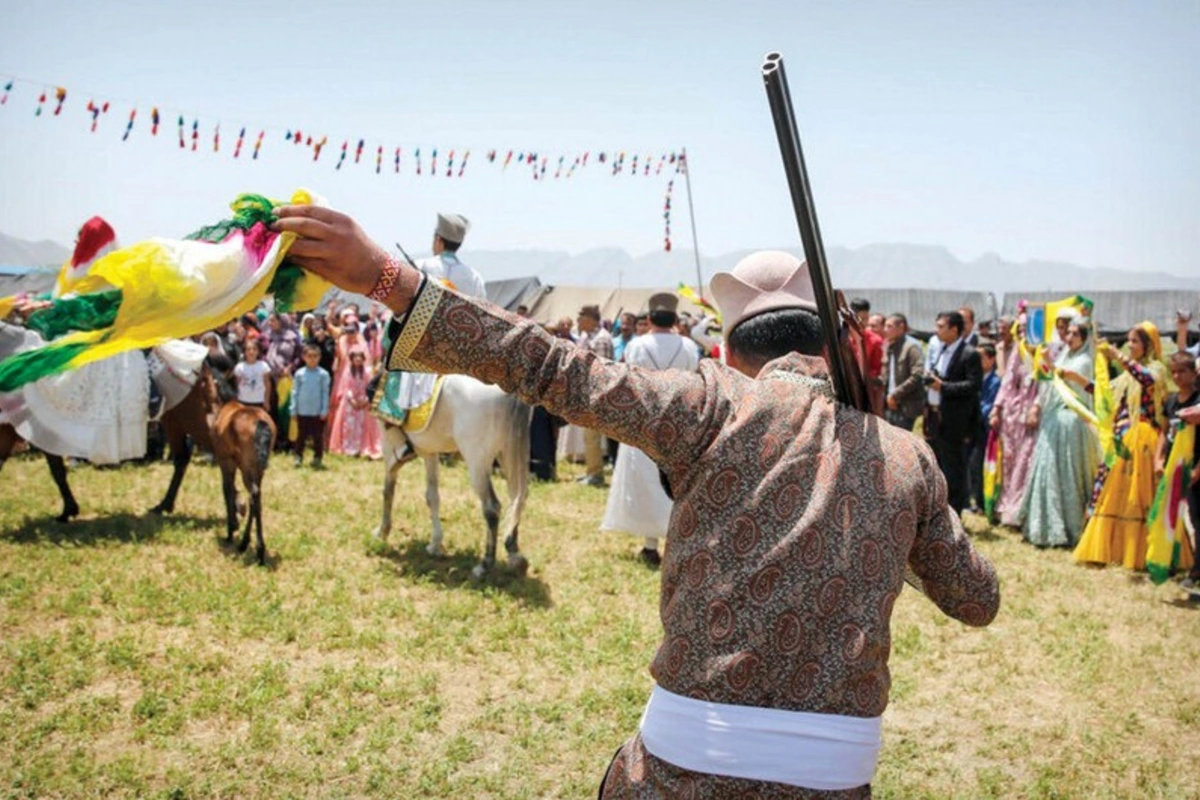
41 103
993 474
129 124
96 111
433 164
379 160
358 151
417 156
397 160
463 165
60 94
195 134
217 138
667 216
342 157
7 88
154 120
237 148
258 144
450 165
318 146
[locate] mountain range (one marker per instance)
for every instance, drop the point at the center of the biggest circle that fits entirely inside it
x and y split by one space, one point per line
874 266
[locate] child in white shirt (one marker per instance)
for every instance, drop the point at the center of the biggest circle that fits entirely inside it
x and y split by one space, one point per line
253 377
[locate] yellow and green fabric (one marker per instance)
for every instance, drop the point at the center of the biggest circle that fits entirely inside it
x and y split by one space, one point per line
1168 549
141 296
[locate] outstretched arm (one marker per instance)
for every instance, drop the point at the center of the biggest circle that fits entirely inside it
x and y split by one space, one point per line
673 416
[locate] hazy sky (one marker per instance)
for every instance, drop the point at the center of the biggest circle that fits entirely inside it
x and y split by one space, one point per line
1059 130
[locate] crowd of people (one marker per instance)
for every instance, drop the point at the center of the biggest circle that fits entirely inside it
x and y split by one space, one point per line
311 375
1056 480
968 387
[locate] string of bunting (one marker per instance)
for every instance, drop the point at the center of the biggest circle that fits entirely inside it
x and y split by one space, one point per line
565 166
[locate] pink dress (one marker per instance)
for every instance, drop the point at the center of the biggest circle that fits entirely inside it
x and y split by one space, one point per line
341 366
354 431
1018 394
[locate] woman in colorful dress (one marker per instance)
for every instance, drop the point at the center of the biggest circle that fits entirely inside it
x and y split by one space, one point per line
1014 415
349 338
1117 532
354 431
1068 450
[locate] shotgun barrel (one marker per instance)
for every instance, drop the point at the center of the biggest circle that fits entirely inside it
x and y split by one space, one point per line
847 380
845 350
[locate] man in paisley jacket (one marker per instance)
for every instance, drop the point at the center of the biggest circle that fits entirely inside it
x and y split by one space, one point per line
794 520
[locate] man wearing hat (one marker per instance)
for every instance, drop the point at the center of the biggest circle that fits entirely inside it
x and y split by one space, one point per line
444 265
794 519
596 340
637 503
408 390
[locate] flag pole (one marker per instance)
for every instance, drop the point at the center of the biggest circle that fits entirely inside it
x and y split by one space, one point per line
687 179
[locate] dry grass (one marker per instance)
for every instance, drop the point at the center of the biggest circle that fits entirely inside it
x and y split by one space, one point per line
140 657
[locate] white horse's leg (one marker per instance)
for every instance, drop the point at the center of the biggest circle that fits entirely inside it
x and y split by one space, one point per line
433 501
393 444
479 466
514 459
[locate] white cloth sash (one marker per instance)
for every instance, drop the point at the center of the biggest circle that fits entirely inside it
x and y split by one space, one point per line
798 748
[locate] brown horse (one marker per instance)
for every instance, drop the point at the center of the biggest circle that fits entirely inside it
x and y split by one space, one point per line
185 426
242 439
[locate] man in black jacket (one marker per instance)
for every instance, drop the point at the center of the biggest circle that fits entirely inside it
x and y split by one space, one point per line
952 404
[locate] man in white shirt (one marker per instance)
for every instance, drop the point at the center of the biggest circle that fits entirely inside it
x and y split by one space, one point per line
637 503
444 265
402 391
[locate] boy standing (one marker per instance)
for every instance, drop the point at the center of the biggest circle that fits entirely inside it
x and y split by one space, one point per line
310 404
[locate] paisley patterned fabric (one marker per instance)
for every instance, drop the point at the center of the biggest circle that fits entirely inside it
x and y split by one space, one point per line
793 522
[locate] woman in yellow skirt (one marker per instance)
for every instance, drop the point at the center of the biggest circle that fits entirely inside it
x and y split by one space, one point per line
1117 530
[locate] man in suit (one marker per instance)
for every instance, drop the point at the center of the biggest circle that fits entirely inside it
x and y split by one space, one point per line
952 404
903 373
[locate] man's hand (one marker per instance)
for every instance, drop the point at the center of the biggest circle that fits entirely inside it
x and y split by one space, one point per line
333 246
25 308
892 404
936 384
1190 415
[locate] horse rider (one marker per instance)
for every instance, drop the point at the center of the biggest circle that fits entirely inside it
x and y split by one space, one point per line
408 390
794 519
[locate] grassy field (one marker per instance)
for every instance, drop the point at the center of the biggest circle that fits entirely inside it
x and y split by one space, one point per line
140 657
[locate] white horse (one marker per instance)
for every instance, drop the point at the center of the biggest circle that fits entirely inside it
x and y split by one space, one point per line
484 424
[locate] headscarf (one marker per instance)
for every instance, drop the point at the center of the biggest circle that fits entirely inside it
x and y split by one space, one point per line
1151 331
1129 390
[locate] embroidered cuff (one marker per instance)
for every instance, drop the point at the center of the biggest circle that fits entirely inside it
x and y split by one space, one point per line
406 332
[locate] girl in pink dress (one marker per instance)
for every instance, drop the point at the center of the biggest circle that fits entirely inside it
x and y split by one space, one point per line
354 431
348 338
